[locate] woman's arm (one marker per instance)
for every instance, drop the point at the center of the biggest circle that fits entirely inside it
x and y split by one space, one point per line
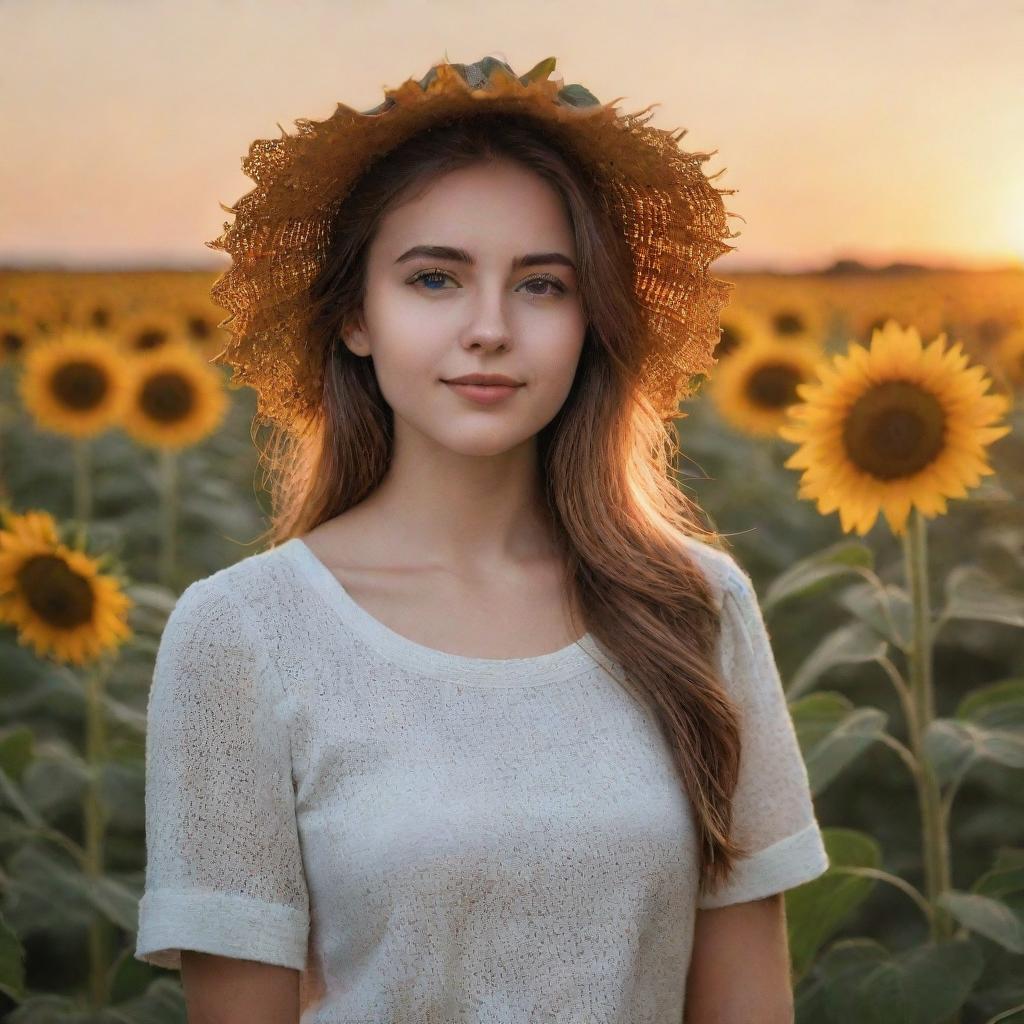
739 970
223 990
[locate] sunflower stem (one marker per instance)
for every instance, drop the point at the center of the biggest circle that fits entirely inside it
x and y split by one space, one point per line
82 487
168 513
934 818
95 827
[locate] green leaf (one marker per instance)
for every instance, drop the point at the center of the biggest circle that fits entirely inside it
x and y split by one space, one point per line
163 1002
153 604
832 733
12 962
54 1009
12 795
859 982
1006 876
129 980
125 714
819 907
812 574
998 705
851 644
1011 1015
973 593
578 96
52 894
838 971
116 901
988 917
952 747
16 751
886 609
541 70
57 778
14 831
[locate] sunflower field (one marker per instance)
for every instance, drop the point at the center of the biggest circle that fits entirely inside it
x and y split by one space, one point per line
860 443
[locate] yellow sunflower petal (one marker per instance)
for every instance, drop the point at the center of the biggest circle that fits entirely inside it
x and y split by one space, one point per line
892 427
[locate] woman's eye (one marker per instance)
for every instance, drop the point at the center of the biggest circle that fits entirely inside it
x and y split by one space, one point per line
556 286
429 275
440 276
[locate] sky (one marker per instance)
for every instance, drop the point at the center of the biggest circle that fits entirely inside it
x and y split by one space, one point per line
858 129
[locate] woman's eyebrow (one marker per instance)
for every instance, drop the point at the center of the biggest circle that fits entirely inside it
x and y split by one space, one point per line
447 252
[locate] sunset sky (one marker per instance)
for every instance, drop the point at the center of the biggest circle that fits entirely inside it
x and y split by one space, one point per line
850 128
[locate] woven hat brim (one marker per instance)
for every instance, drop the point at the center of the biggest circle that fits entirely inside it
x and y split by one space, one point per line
671 215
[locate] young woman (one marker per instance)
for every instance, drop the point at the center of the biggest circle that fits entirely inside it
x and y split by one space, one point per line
493 730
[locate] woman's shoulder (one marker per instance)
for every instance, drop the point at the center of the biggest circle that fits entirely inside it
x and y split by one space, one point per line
253 583
720 568
220 623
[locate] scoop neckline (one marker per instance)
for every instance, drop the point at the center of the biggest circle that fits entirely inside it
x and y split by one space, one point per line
566 663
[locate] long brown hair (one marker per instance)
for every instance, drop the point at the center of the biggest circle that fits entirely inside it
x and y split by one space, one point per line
607 459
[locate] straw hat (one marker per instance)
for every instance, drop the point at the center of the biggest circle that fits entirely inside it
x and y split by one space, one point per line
670 214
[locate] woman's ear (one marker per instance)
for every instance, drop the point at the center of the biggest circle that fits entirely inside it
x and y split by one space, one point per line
356 338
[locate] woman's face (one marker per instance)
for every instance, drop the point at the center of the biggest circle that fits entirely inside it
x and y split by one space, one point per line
428 317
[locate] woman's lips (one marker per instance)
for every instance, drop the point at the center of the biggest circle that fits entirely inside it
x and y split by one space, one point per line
483 394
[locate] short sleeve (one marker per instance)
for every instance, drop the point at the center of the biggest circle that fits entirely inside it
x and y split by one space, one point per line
773 812
224 869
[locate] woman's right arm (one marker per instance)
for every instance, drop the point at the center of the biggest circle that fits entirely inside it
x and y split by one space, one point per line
225 887
224 990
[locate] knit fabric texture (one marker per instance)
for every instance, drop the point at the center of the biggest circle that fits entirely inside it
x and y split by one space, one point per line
431 838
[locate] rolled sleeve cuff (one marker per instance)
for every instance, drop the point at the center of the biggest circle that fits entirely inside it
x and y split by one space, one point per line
784 865
235 926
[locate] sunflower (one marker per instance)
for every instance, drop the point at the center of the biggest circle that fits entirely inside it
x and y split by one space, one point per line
97 309
177 398
793 316
739 325
141 332
75 384
1008 354
200 323
55 596
891 427
921 300
754 386
17 333
989 331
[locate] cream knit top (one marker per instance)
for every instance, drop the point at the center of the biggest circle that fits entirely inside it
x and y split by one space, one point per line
438 839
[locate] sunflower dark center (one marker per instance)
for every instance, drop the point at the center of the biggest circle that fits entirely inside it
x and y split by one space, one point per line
773 385
150 337
991 330
167 397
54 592
788 323
12 342
894 430
198 327
100 317
726 342
79 384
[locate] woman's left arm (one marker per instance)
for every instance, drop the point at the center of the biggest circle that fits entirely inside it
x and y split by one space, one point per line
739 969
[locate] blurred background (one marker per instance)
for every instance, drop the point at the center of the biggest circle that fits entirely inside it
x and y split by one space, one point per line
880 132
876 150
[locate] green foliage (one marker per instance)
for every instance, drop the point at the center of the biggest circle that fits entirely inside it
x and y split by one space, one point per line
858 981
842 617
841 613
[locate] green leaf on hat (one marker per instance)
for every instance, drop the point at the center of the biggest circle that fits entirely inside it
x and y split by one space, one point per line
578 96
541 70
486 67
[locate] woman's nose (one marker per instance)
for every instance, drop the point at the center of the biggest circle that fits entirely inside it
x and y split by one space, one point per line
490 324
